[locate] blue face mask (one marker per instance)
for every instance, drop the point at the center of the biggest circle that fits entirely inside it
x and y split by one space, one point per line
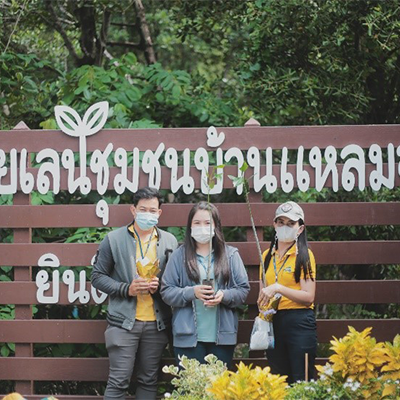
146 220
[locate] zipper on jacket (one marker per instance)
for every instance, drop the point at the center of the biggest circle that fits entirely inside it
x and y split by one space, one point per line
195 320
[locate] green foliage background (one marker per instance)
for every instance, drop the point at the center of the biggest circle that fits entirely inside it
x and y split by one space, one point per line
219 63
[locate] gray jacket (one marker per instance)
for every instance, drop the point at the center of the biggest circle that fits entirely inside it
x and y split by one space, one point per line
177 290
114 269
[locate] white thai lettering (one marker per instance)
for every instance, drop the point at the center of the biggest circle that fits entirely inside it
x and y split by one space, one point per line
53 168
268 180
10 188
358 164
376 178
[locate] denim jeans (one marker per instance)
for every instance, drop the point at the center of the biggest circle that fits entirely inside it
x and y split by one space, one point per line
223 352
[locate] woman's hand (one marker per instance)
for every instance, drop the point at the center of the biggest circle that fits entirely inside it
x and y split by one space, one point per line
267 293
216 300
204 292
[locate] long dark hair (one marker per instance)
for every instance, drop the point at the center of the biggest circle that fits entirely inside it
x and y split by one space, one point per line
302 257
221 268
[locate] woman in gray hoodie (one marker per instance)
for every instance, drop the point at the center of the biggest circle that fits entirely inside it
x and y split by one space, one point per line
205 288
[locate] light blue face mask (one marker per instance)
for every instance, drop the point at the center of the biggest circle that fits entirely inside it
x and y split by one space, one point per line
146 220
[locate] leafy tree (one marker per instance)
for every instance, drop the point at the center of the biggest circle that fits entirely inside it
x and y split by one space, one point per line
310 62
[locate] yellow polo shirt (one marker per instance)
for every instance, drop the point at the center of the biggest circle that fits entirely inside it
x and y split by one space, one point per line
144 304
286 275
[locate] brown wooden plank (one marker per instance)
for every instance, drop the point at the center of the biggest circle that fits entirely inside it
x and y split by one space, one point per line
341 253
79 369
180 138
232 214
328 292
196 175
354 292
25 293
68 397
90 331
54 369
64 397
53 331
348 292
383 329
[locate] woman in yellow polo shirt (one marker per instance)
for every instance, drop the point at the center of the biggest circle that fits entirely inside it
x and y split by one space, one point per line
290 271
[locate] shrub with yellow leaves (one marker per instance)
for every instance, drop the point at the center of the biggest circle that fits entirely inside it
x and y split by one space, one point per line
391 369
248 383
357 356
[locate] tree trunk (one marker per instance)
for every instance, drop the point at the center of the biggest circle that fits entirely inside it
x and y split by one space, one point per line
145 33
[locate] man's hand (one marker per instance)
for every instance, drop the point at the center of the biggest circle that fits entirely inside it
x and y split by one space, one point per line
153 285
138 286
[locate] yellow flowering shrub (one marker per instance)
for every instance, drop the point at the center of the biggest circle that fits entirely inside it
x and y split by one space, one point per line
248 384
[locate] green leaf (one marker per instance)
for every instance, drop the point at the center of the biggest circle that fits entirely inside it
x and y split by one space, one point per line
5 351
130 58
244 166
80 89
35 199
134 94
176 91
49 124
94 311
86 94
255 67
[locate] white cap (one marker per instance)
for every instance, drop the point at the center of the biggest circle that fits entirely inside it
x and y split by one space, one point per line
290 210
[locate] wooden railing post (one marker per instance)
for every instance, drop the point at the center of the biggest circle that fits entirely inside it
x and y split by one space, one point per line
23 274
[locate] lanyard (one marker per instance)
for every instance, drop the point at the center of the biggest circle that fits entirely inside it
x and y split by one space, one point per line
140 243
204 266
280 269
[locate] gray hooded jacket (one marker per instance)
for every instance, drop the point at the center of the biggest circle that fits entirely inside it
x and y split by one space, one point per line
177 290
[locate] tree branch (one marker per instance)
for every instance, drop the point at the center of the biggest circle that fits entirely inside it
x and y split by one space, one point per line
145 33
60 29
125 44
103 36
122 24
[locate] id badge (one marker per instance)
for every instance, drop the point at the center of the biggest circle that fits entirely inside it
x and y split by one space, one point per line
144 261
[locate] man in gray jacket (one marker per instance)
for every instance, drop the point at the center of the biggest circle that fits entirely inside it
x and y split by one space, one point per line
128 266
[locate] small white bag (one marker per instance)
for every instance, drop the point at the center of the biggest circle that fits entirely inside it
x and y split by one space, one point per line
262 335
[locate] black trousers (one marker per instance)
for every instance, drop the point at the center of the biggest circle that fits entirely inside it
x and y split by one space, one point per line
295 335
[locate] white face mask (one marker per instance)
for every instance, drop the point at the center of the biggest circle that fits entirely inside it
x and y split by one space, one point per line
286 234
201 234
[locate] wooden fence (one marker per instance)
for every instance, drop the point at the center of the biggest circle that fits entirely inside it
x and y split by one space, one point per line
22 217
